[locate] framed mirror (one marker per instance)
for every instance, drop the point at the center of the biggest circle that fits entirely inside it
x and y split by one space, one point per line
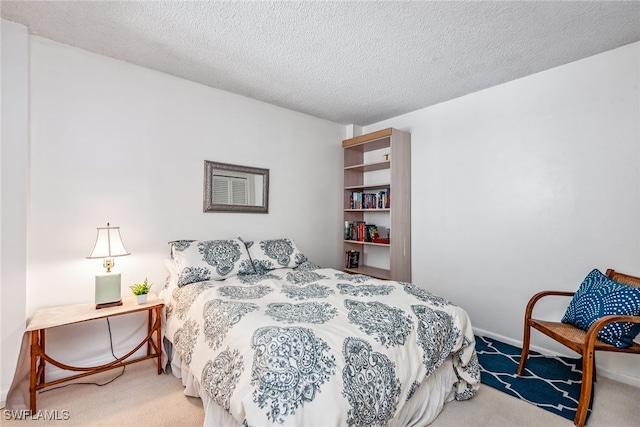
235 188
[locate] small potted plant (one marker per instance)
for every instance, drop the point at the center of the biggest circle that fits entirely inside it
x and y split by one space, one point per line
140 290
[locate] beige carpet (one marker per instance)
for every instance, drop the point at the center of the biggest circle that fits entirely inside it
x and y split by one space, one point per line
141 398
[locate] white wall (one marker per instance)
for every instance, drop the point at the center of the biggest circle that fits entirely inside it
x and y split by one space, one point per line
114 142
14 166
528 186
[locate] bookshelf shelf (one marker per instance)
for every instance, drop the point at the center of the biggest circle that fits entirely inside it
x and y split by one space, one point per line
360 242
368 210
369 187
362 169
369 167
378 273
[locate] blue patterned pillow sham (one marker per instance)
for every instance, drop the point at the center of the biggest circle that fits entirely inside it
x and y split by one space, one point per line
272 254
199 260
600 296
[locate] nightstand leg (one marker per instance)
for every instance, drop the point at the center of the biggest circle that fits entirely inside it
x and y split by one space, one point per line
158 311
149 327
42 361
33 377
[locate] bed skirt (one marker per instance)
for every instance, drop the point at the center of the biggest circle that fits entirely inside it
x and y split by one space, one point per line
420 410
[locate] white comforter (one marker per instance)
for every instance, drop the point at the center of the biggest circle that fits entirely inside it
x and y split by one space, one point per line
311 346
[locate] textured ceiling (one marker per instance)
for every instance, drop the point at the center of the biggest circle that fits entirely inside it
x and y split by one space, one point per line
348 62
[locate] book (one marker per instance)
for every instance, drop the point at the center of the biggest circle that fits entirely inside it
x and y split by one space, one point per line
371 233
352 259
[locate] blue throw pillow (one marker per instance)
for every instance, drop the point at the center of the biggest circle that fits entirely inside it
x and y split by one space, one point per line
600 296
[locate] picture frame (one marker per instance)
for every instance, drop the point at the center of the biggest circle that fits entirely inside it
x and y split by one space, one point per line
235 188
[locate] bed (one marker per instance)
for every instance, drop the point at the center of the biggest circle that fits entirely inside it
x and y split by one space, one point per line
265 337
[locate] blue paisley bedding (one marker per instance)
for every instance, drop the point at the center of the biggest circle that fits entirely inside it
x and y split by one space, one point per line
291 345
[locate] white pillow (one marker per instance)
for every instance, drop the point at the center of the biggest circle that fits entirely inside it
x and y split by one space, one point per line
201 260
171 282
271 254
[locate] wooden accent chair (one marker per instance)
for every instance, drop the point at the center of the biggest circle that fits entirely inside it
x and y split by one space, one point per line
584 343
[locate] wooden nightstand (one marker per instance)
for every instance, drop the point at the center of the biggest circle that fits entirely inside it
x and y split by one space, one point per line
51 317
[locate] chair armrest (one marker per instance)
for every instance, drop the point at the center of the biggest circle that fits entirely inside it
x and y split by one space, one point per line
537 297
597 326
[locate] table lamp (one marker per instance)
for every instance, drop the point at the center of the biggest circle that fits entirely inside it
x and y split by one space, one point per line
108 246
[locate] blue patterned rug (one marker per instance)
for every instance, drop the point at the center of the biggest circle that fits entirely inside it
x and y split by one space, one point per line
549 382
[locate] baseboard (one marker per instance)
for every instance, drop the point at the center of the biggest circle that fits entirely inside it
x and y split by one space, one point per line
482 332
602 371
617 376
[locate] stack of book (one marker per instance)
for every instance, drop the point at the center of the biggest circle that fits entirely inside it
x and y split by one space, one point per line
360 231
362 200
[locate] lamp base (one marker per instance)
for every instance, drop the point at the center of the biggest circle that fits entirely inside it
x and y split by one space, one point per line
108 291
109 304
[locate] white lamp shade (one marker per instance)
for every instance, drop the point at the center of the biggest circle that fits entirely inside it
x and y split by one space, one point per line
108 243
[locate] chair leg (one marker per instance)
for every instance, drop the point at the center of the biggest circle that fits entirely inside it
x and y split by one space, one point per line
586 388
525 348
